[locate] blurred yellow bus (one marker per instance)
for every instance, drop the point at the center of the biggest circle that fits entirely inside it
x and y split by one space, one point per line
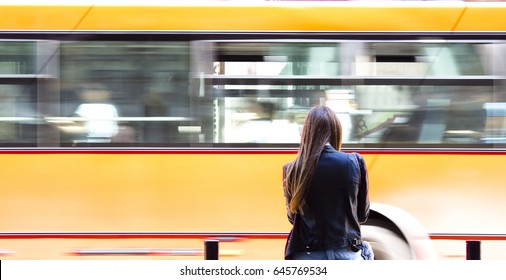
139 130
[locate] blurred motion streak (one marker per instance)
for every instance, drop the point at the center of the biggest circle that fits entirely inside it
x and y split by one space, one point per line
134 126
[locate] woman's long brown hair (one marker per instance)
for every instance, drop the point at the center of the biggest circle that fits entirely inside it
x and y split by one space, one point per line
320 127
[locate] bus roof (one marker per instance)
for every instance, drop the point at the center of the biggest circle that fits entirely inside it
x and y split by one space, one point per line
334 16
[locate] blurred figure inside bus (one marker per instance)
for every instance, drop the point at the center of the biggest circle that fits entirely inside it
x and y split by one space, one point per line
154 106
99 117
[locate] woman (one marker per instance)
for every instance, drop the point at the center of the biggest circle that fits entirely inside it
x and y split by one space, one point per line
326 194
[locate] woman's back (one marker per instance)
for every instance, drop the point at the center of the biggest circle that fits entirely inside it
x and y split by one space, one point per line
330 211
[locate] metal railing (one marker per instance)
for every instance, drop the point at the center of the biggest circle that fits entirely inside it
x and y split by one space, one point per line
212 239
473 241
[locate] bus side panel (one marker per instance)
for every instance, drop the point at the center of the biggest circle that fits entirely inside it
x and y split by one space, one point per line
447 193
223 193
142 192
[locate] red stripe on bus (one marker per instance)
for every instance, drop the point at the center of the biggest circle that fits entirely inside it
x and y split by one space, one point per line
209 235
255 151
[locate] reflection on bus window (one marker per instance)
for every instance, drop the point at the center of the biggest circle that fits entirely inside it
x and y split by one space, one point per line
259 122
495 127
343 103
18 115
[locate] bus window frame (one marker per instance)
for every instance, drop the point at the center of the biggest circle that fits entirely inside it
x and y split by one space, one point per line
216 37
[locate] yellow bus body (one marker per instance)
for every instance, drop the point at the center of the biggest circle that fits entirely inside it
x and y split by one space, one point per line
117 192
258 17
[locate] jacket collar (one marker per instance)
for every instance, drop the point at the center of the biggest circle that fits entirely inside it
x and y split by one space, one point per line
329 149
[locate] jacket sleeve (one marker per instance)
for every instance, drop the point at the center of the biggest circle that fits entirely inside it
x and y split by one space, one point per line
363 192
290 215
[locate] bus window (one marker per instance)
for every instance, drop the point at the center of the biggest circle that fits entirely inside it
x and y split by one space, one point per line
385 93
211 93
413 113
258 102
19 122
133 93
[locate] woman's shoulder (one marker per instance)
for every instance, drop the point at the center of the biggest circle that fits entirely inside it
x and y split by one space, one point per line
357 156
286 165
342 158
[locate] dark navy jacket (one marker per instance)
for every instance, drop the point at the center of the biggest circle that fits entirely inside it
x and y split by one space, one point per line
335 207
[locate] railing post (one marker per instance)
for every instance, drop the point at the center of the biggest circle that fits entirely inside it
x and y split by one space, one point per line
211 249
473 250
